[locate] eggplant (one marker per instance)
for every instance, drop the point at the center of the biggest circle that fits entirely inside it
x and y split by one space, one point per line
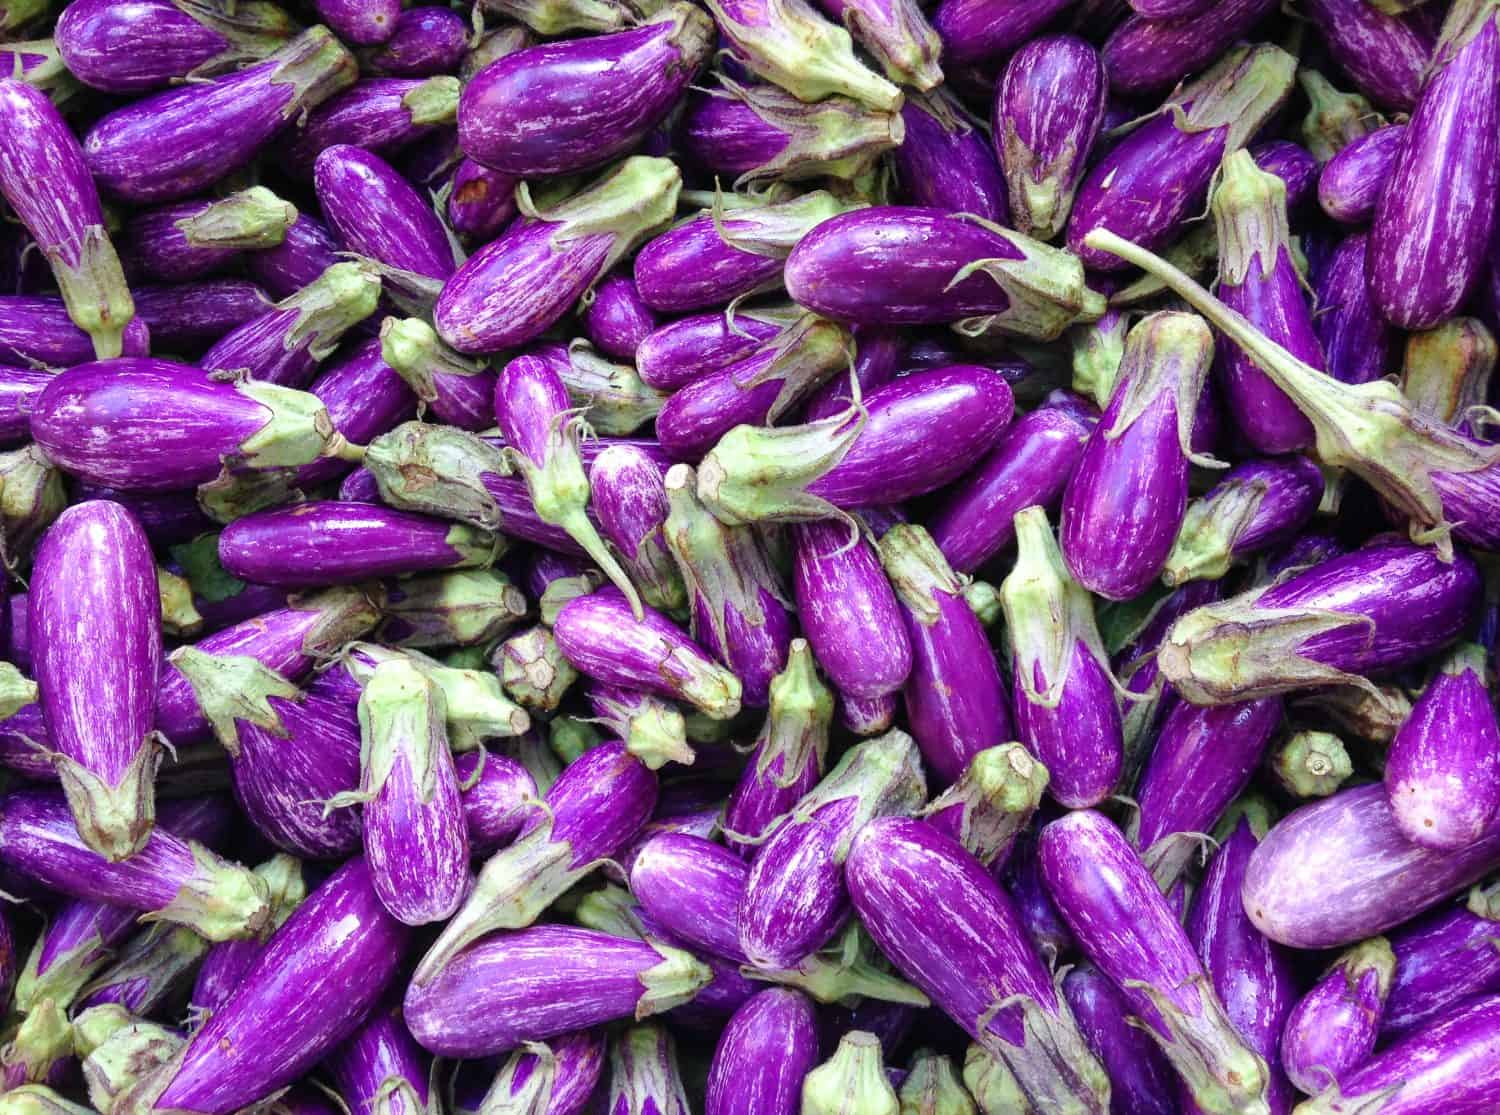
381 114
465 609
1312 764
366 24
1386 57
1350 184
559 1074
225 964
630 501
1332 1029
306 251
481 201
381 1070
1442 959
1141 1081
945 160
681 351
424 42
643 1072
459 391
555 17
618 319
978 32
150 972
177 243
534 670
991 803
1148 55
190 316
762 1056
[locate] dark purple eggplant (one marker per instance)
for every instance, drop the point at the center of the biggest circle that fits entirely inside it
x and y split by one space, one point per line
190 239
1441 960
1147 55
381 114
190 316
945 160
980 32
425 42
1386 57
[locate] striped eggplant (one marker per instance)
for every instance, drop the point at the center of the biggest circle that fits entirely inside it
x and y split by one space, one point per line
1332 1029
945 160
762 1056
190 239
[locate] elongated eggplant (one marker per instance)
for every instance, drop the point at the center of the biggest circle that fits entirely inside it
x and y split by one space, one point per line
424 42
765 1050
1141 1081
1350 184
1148 55
1332 1029
187 317
306 251
945 161
630 501
481 201
381 114
978 32
224 966
1257 505
1125 926
150 972
381 1070
459 391
991 803
36 329
1386 57
853 1079
190 239
1442 959
681 351
560 1074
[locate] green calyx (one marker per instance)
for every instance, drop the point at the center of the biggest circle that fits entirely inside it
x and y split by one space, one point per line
802 357
672 982
297 431
16 690
563 591
997 794
256 28
1052 1064
1373 955
534 671
983 599
1334 119
16 14
558 17
1098 348
32 496
433 102
993 1086
901 40
43 1038
569 737
221 900
1312 764
234 687
474 548
132 1060
1166 353
1249 208
316 65
919 572
50 75
1255 809
615 400
179 618
115 819
1465 19
643 1072
96 1025
466 607
610 909
851 1082
1446 371
93 288
1467 658
843 973
1223 1075
932 1087
67 973
631 202
285 884
536 1066
1045 289
38 1099
773 230
882 776
329 306
402 716
415 353
249 220
653 729
475 707
1205 547
796 726
1193 253
438 470
1239 93
152 965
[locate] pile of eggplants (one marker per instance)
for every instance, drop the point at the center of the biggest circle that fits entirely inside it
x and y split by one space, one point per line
749 557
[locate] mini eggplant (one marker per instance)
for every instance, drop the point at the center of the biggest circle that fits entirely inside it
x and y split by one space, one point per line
853 1079
1156 179
459 391
381 114
334 959
176 243
1047 115
1386 57
19 388
926 901
366 23
905 265
175 143
1442 771
618 319
1294 165
1446 371
1420 273
1141 1081
760 132
533 669
1126 927
510 988
381 1070
364 397
1065 707
1441 960
521 115
765 1050
681 351
991 803
979 32
560 1074
516 287
481 201
224 967
1149 55
1351 182
175 880
328 542
1332 1029
1126 499
630 501
424 43
306 251
190 316
1257 505
945 160
1364 875
44 177
37 330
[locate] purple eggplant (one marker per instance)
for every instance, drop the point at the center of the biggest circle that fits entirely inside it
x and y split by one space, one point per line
618 319
334 959
926 901
763 1054
630 501
1125 926
190 239
991 803
1149 55
904 265
1254 978
1047 114
381 1070
1156 179
155 44
644 1075
510 988
681 351
516 287
37 330
559 1075
150 973
759 132
1127 496
945 161
1442 959
1446 371
612 399
1421 272
1340 869
424 42
1065 707
1386 57
908 438
306 251
524 115
481 201
190 316
1141 1081
44 177
1351 182
459 391
1294 165
364 397
175 143
224 966
1257 505
980 32
1442 771
366 22
382 114
1332 1029
328 542
19 388
176 880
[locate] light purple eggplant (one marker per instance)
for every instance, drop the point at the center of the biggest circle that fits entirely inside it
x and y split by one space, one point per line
365 22
328 542
1442 771
1257 505
381 114
1046 117
1332 1029
955 699
306 251
425 42
407 240
225 964
37 330
1441 960
150 46
522 114
1147 55
795 899
1203 758
945 161
905 265
926 901
991 803
516 287
1254 978
1126 499
618 319
1450 1066
1063 695
1421 271
1125 926
190 239
597 805
178 881
980 32
1141 1081
1156 179
555 1077
789 756
1258 279
1385 56
481 201
1338 870
190 316
1378 609
758 132
334 959
48 184
381 1070
764 1052
897 35
908 438
95 622
1350 184
459 391
717 256
630 501
175 143
510 988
